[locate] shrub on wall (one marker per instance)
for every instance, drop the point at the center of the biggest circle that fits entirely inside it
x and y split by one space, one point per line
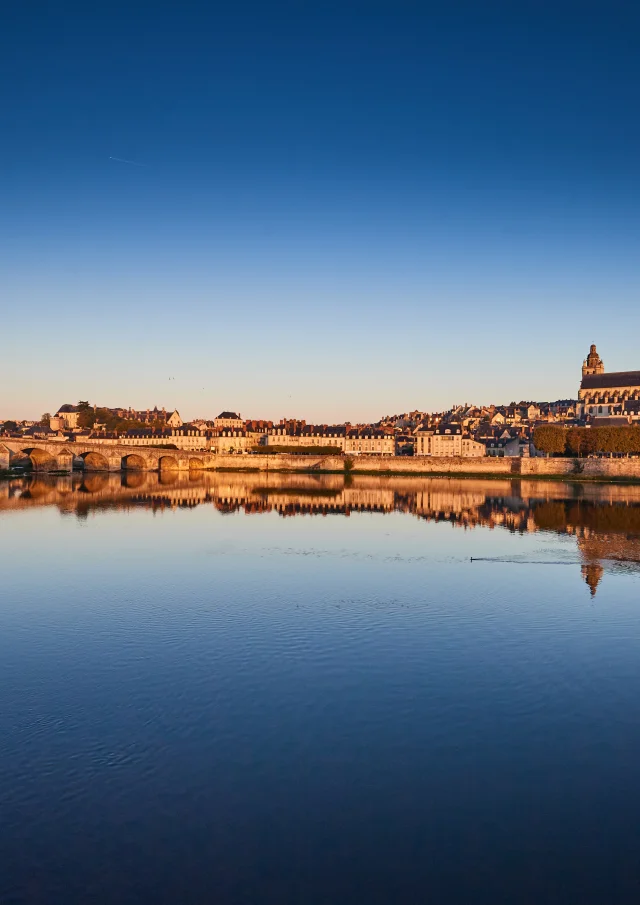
298 450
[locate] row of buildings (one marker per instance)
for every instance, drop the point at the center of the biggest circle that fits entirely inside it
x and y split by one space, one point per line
463 431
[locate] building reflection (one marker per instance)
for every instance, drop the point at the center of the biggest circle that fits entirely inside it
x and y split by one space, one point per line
592 573
604 519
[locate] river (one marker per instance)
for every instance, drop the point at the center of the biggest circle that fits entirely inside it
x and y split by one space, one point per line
318 690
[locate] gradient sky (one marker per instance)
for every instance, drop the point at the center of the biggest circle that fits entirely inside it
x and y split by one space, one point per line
335 211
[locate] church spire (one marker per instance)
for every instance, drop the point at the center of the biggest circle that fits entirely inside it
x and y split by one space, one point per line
593 363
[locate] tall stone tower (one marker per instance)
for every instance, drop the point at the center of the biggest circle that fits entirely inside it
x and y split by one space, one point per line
592 363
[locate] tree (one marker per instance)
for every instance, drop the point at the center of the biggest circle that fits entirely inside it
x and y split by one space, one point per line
550 440
86 415
574 441
10 427
583 441
589 442
86 418
46 418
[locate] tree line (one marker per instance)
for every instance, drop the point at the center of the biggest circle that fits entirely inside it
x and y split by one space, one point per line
586 441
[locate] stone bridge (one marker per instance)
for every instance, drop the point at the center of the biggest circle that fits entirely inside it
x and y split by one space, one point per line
51 455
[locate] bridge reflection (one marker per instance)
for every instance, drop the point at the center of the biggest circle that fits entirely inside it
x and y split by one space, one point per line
603 518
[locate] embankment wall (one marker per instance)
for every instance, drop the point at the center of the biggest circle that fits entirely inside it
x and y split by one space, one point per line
420 465
369 464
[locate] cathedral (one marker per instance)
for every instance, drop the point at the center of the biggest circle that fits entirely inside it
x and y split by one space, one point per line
614 394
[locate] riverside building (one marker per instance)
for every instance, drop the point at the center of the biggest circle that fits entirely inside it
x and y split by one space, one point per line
447 440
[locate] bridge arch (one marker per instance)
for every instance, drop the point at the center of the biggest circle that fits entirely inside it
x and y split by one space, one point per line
195 464
134 462
38 459
168 463
94 461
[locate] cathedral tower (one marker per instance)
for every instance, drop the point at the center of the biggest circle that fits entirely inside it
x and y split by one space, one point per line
592 363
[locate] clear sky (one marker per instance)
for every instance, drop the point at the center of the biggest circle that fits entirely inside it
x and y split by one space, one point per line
332 210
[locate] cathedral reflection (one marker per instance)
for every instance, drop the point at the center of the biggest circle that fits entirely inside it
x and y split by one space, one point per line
603 519
592 573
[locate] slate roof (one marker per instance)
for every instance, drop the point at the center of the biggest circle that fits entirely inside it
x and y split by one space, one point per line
367 433
610 421
38 430
613 379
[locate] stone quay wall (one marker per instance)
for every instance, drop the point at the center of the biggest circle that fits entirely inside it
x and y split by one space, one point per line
370 464
426 465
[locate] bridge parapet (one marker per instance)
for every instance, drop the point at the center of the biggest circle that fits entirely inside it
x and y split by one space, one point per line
61 456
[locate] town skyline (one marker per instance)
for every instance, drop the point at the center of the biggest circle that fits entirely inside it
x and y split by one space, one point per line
607 400
288 418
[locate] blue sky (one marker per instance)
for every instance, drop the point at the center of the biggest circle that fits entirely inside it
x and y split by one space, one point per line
341 210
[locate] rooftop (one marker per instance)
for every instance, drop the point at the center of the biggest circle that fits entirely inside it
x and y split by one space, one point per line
612 379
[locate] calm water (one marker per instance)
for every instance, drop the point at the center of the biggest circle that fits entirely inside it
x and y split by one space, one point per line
288 689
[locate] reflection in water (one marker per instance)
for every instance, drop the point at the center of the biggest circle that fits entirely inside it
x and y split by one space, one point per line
133 479
94 483
604 519
592 573
247 703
